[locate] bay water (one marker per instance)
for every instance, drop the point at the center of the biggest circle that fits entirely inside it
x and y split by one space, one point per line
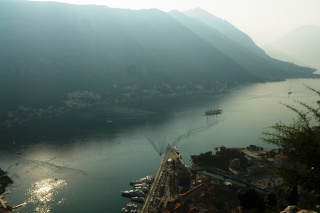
79 162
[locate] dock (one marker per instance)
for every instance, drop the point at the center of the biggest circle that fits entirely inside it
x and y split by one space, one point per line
160 192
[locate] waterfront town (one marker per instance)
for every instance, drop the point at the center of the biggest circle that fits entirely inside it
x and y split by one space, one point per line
238 175
228 181
115 95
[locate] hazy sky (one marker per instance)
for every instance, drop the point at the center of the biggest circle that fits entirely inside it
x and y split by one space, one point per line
263 20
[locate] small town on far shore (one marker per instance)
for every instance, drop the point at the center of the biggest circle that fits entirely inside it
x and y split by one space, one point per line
219 182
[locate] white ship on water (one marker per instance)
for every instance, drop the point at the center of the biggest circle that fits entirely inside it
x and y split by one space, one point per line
147 179
133 193
138 199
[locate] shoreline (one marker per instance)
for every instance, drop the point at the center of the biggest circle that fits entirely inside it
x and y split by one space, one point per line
5 182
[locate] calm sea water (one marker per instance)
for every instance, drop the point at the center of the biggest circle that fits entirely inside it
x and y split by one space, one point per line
78 162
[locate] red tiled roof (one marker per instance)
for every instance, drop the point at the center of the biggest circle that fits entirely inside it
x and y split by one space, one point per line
281 156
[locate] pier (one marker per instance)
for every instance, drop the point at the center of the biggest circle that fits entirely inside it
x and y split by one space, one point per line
160 192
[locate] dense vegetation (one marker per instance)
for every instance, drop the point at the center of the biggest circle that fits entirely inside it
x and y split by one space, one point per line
220 159
300 141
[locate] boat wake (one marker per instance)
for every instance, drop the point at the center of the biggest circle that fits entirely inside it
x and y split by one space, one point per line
161 142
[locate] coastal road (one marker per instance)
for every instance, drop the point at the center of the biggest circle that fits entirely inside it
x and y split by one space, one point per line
169 154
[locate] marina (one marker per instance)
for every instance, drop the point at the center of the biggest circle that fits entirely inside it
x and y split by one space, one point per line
138 194
166 196
130 208
160 192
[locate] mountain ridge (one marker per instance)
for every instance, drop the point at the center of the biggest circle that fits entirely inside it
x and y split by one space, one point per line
225 28
51 50
301 46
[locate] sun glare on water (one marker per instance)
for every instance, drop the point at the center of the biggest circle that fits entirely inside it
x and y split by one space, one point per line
44 194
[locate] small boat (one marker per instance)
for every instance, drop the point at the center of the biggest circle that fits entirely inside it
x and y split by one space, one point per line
141 184
176 150
213 112
145 189
133 193
138 199
130 207
147 179
289 90
134 182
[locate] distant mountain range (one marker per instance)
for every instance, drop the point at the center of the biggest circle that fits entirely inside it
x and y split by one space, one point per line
54 54
301 46
233 43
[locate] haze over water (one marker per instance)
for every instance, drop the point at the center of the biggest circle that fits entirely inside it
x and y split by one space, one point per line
78 162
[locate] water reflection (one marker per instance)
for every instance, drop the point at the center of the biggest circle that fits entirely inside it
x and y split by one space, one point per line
91 151
44 194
